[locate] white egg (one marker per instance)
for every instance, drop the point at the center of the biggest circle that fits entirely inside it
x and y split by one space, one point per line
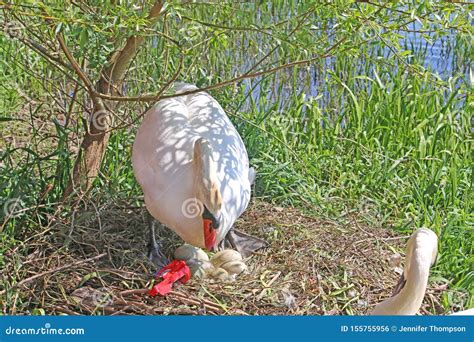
219 274
234 267
188 252
199 268
225 256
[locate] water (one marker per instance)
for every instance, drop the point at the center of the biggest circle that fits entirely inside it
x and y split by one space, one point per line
438 55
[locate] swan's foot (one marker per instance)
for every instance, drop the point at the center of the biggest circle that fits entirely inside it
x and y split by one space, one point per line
244 243
155 253
156 256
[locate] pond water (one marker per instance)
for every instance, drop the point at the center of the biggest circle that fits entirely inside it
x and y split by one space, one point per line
442 56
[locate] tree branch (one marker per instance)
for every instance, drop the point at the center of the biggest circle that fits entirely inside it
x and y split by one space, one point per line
246 75
94 144
76 67
120 60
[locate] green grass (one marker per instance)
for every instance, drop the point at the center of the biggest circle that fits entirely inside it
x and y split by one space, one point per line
378 139
402 159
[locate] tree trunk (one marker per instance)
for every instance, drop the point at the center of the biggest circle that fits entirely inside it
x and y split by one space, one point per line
94 144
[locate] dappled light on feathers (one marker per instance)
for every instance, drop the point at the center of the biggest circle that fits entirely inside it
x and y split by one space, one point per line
186 147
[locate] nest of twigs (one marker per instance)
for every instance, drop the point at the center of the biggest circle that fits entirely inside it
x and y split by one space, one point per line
96 264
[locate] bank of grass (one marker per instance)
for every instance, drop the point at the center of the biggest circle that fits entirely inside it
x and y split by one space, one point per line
399 155
377 139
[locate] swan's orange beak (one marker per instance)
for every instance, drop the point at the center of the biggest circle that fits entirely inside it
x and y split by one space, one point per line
209 233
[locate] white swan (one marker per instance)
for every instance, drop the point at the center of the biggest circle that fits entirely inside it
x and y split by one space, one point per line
408 295
193 168
468 312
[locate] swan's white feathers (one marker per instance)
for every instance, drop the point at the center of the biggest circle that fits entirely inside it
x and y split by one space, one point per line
421 253
163 161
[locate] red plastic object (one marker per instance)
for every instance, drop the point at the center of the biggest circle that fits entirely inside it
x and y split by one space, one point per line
174 271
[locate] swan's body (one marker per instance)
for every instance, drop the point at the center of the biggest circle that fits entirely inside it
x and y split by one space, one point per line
176 132
421 254
468 312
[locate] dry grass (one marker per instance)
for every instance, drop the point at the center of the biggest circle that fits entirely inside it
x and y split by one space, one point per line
95 264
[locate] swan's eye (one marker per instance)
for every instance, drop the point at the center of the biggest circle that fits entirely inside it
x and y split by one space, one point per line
207 215
400 285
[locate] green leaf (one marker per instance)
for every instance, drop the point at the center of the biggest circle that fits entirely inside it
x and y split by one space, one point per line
83 38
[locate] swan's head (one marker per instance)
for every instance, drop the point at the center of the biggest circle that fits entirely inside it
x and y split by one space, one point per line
207 191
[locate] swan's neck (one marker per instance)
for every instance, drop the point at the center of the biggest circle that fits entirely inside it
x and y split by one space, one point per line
409 299
207 186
